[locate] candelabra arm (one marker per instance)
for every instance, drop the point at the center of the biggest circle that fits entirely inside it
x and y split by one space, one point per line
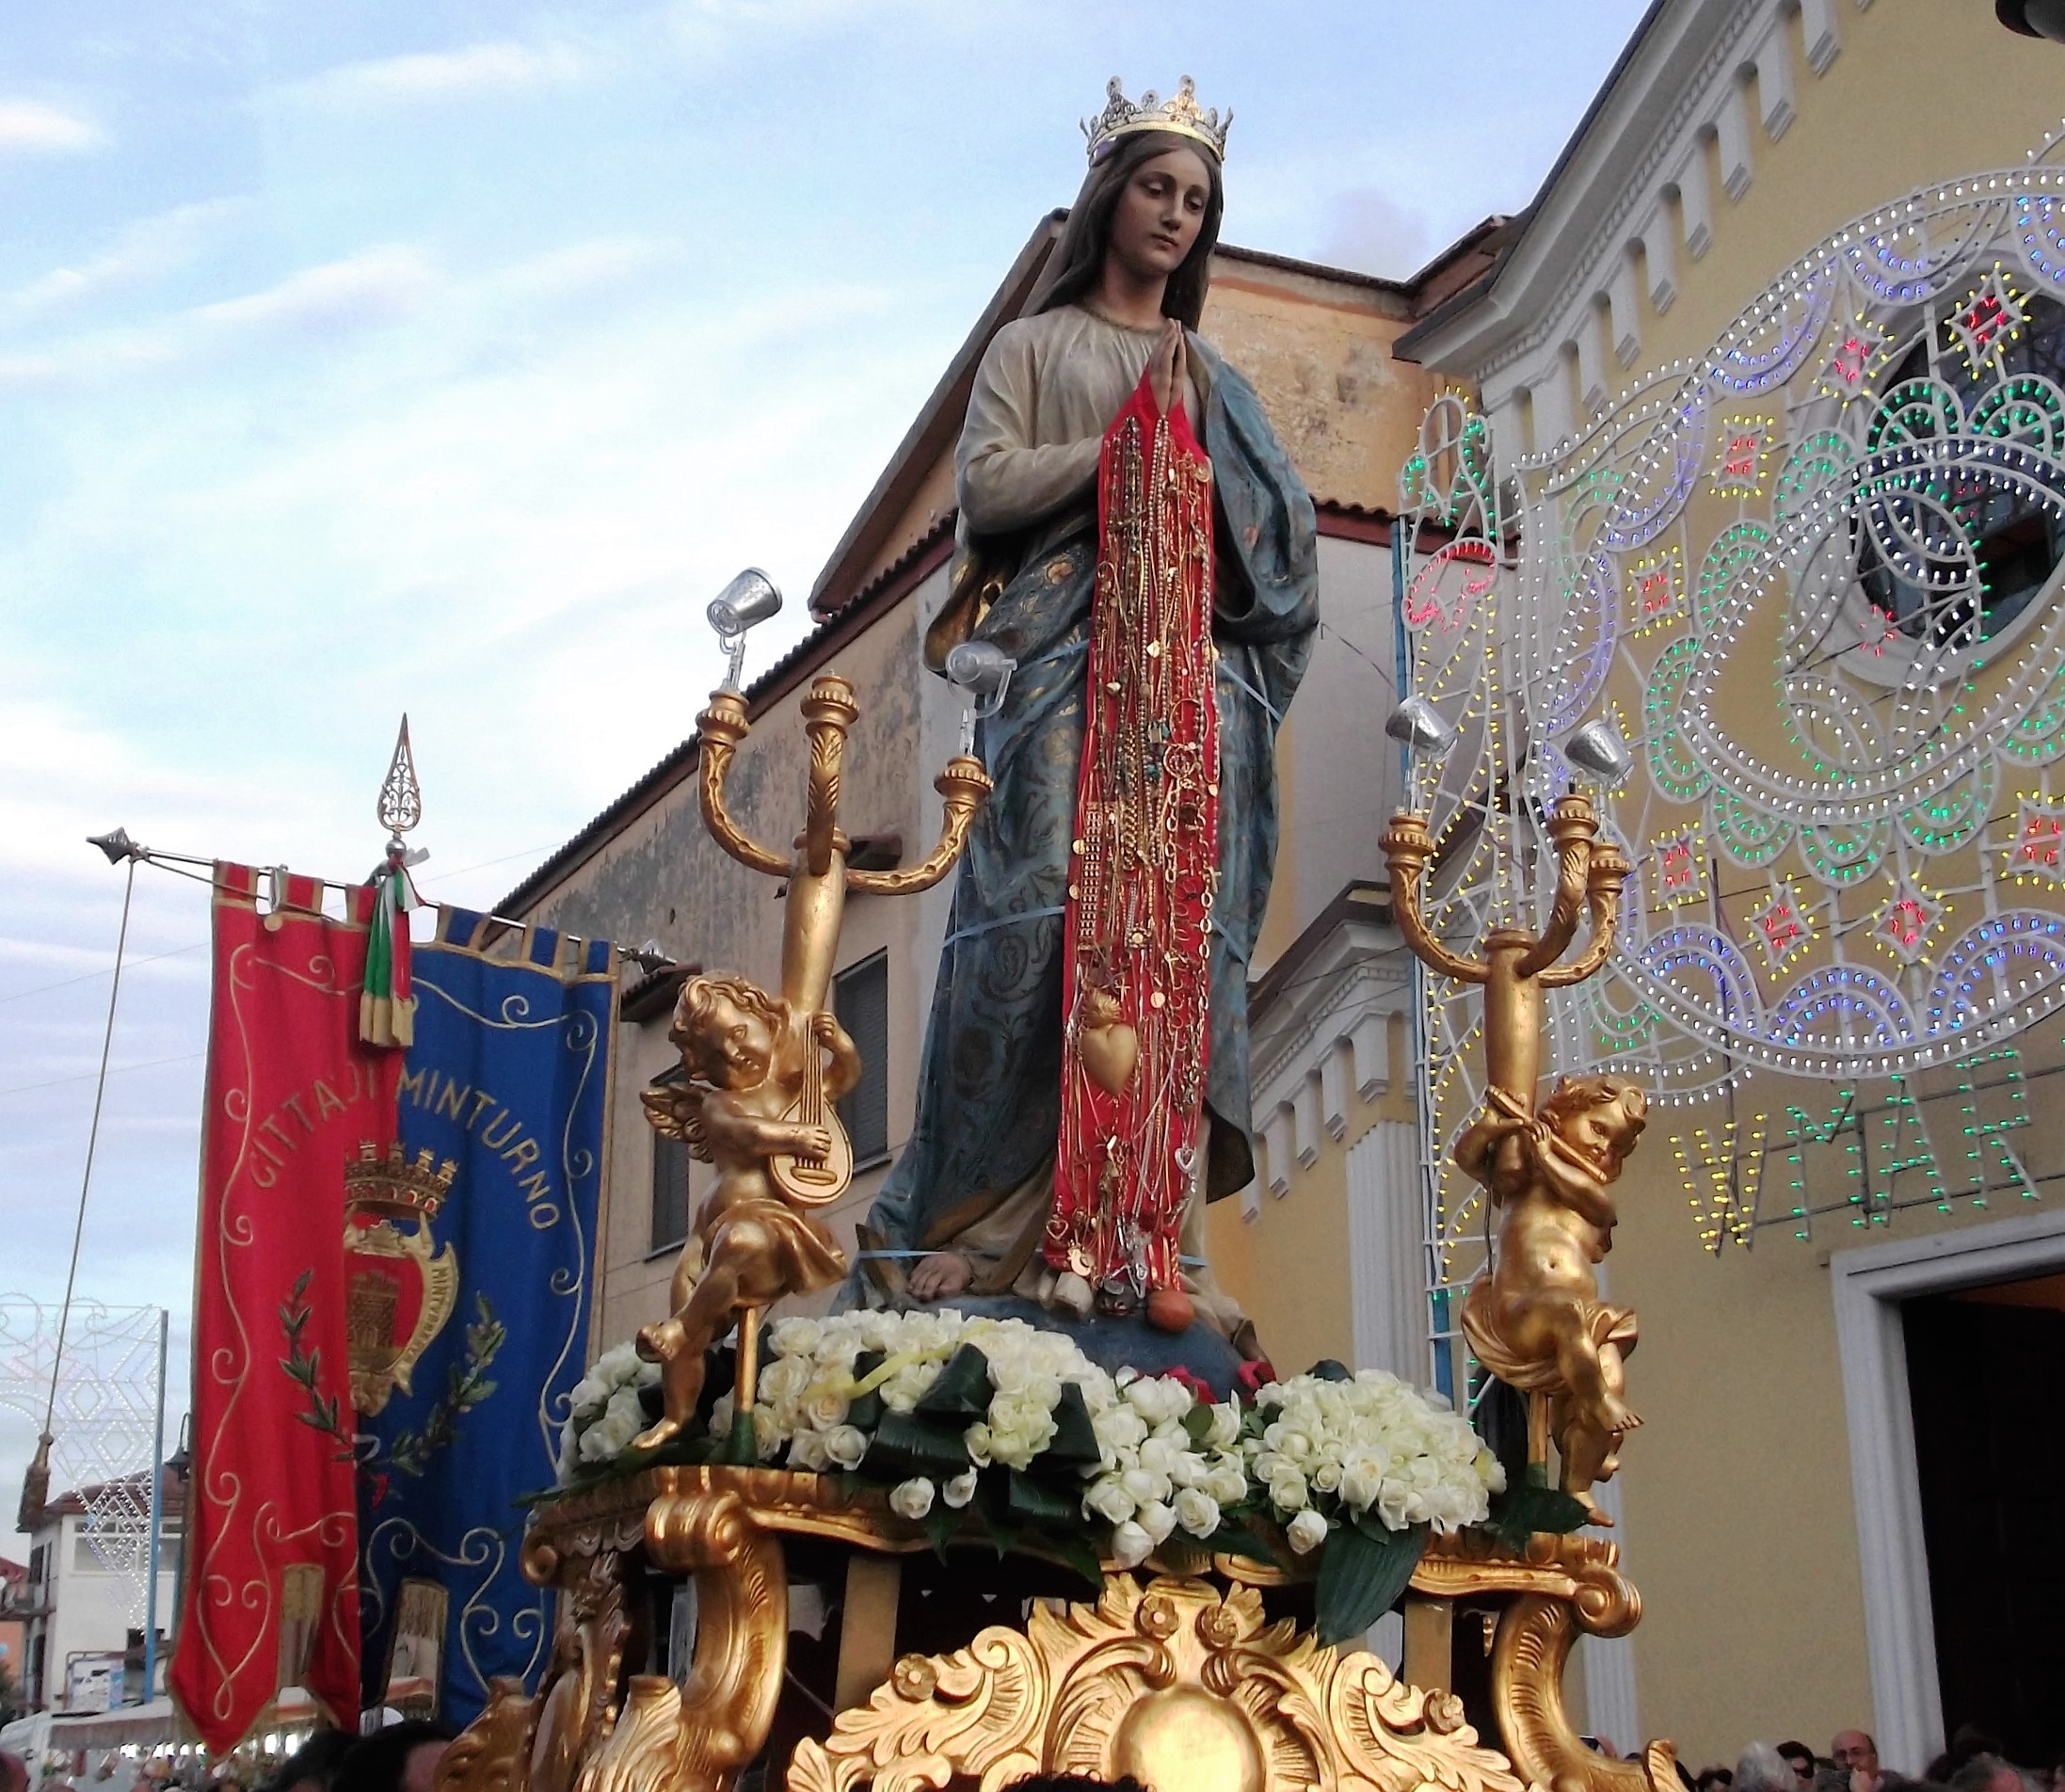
1573 828
965 786
1407 846
1609 871
829 711
1413 924
721 728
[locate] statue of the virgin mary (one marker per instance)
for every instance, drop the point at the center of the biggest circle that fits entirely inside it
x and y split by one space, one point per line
1134 537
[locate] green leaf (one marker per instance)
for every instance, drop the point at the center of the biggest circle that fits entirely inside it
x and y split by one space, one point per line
1362 1576
868 1410
904 1444
941 1522
1237 1540
1524 1508
1035 1502
962 1391
1197 1424
1075 1444
992 1502
1070 1549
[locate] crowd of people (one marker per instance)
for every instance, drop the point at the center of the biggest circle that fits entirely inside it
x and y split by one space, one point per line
402 1757
1974 1761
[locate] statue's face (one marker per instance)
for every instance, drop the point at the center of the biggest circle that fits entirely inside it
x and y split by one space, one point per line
1159 214
737 1045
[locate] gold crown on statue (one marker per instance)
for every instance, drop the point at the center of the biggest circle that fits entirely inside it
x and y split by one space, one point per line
1179 113
389 1182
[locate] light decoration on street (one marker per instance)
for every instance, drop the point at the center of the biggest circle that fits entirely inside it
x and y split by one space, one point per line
1799 569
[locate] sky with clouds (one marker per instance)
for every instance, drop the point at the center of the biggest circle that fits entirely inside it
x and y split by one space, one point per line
446 358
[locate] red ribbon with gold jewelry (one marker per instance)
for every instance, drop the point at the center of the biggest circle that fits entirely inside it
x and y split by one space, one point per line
1143 869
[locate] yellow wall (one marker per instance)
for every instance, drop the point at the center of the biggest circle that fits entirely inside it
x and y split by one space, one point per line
1742 1524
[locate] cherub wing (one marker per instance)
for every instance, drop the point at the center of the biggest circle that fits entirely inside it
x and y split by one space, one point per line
675 1111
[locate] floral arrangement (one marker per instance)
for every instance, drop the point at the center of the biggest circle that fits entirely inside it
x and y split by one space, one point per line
997 1423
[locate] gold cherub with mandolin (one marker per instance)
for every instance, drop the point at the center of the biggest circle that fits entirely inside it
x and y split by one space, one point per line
764 1073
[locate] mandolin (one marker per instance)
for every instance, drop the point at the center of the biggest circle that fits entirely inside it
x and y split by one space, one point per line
812 1182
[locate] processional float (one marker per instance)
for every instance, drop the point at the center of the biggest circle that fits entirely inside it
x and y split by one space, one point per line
1194 1670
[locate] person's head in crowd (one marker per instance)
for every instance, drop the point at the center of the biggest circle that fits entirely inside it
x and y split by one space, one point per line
1855 1752
13 1772
314 1766
1987 1773
1800 1759
1762 1769
400 1758
1714 1780
1075 1782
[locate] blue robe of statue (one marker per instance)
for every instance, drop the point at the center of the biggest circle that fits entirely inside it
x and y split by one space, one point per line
989 1082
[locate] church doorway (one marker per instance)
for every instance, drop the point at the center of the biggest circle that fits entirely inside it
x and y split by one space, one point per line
1986 1382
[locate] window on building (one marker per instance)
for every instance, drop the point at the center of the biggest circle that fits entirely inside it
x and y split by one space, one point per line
1913 568
860 999
669 1184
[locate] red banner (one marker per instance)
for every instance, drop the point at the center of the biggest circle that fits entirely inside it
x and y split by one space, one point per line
271 1589
1142 873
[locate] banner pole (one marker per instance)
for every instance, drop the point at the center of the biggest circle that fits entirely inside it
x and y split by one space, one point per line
158 1519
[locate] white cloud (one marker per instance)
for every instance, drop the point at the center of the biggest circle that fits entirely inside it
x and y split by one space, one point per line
30 127
430 76
139 253
335 300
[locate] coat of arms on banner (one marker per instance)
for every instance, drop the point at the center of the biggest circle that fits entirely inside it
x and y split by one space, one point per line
401 1288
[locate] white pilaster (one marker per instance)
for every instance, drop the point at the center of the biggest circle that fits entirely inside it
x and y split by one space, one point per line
1823 36
1622 315
1333 1090
1387 1253
1695 200
1659 256
1774 76
1732 129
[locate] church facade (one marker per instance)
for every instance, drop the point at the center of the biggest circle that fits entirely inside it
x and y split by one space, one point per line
1743 365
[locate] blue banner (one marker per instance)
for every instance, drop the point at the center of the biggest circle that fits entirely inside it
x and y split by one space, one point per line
470 1327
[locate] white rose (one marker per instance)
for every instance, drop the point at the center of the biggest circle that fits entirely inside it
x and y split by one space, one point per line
1327 1477
1145 1486
1393 1499
1287 1490
1228 1481
1226 1425
1157 1520
1158 1456
958 1491
977 1439
784 1380
1106 1497
825 1409
911 1498
794 1338
806 1450
1120 1427
1359 1483
846 1445
1131 1546
1197 1511
1308 1532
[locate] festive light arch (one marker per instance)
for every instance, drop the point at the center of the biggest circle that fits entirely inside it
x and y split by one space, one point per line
1802 571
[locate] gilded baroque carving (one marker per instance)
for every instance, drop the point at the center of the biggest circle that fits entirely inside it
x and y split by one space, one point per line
494 1754
1535 1634
1176 1683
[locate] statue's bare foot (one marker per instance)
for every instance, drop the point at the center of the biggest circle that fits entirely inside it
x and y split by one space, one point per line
656 1434
941 1276
1616 1416
1072 1295
663 1342
1594 1512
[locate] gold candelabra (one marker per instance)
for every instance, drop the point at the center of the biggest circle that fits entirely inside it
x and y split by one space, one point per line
1534 1317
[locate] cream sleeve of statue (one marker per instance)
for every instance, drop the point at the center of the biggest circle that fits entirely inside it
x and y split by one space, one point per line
1046 391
